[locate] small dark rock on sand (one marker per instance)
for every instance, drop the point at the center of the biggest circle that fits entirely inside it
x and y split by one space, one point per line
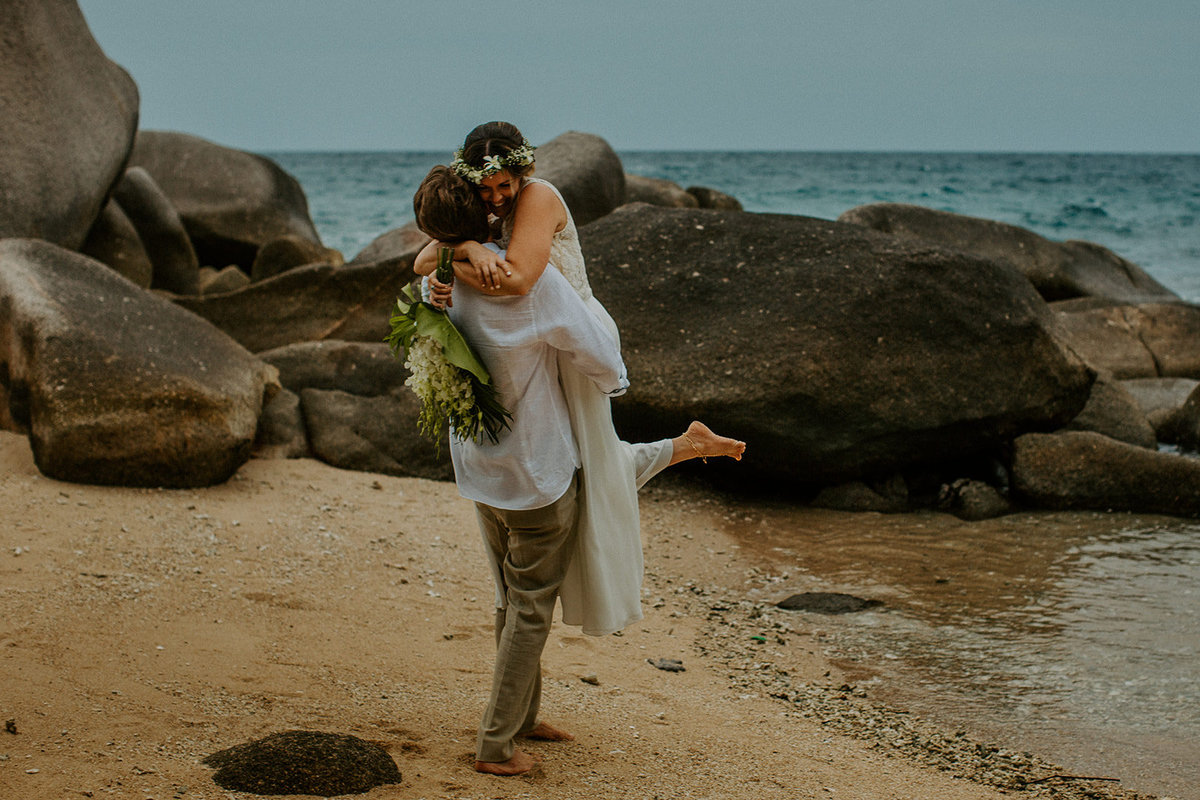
827 603
304 762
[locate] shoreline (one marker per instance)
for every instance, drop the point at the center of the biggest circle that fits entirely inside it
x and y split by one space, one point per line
145 629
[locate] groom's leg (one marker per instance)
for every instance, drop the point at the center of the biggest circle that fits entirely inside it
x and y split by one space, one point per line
530 717
538 544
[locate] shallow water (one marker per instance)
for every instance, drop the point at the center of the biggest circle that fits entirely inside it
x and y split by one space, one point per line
1075 636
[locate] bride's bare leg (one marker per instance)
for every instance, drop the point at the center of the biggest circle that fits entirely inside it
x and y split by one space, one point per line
700 442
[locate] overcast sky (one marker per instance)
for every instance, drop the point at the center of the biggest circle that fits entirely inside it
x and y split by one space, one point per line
987 75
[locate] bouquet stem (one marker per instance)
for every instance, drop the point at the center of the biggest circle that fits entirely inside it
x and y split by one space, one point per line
445 265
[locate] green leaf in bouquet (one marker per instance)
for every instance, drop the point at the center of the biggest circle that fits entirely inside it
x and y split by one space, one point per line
436 323
402 326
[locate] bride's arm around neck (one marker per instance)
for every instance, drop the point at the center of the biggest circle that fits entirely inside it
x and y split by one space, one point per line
539 215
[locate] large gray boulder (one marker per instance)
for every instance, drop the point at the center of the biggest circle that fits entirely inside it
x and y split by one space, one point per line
1084 470
69 116
586 171
115 385
658 192
176 268
281 430
407 240
351 302
1159 399
288 252
1107 339
1113 411
1183 425
362 368
712 198
1155 395
1059 270
836 352
372 434
231 202
973 500
1150 340
222 281
114 241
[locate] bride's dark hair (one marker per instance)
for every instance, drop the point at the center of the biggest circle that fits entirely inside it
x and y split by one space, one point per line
494 139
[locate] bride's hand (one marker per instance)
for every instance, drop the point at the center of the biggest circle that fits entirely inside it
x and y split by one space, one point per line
488 265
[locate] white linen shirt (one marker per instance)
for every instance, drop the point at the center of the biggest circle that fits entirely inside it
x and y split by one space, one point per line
518 338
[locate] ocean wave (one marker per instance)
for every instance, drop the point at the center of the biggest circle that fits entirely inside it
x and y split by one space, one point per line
1073 210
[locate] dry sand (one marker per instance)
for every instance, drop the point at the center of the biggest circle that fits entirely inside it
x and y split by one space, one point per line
145 629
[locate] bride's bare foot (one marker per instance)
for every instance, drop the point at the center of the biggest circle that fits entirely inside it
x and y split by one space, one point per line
519 764
700 442
547 733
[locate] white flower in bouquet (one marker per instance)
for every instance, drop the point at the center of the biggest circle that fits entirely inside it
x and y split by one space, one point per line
453 385
444 389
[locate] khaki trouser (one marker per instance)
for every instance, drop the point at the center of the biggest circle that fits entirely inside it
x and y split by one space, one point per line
533 549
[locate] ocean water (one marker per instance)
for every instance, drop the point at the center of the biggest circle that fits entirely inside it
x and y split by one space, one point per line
1074 635
1143 207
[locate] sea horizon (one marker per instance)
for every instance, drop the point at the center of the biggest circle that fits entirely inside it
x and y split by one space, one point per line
816 151
1142 206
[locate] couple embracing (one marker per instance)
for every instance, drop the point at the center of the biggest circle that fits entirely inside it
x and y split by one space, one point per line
556 497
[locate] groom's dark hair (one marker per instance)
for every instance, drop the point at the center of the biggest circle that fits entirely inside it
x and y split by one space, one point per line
449 209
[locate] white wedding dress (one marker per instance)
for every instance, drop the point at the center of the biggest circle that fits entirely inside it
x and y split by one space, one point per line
602 590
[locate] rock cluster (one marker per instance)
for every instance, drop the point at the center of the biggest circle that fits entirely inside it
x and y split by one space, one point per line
231 203
166 307
346 403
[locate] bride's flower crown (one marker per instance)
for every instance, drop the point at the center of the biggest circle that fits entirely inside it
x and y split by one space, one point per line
517 157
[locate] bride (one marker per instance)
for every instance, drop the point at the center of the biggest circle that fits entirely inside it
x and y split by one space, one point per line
602 589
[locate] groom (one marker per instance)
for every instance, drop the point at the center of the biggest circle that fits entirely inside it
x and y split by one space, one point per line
524 486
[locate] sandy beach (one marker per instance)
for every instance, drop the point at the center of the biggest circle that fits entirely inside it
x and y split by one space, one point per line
145 629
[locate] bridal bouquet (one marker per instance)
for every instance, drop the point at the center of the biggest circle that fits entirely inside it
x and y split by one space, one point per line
450 380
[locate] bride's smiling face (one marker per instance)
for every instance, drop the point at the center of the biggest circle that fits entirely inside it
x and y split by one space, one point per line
497 192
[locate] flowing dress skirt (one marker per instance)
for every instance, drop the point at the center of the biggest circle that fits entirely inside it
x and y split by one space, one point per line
603 587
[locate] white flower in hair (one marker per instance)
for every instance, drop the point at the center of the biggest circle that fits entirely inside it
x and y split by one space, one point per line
522 155
518 157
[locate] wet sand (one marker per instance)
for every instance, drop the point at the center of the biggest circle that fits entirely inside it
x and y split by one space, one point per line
145 629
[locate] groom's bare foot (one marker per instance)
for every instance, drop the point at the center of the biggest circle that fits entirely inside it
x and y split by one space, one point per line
519 764
703 443
547 733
